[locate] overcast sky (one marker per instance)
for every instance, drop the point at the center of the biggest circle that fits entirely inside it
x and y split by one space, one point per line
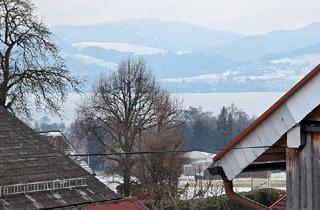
244 16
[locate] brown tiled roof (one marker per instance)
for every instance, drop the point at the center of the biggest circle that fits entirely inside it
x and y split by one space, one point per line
26 158
279 204
123 205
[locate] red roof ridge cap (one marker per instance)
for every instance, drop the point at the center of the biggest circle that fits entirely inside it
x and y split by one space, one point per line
278 201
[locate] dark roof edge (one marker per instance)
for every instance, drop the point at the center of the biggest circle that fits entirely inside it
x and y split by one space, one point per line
83 204
267 113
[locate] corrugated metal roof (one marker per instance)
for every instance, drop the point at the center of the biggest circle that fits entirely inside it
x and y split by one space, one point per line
267 113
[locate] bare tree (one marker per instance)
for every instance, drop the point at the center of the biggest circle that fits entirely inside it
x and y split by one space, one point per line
30 64
123 107
158 173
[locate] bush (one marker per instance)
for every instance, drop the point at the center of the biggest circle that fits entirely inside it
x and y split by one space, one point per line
264 196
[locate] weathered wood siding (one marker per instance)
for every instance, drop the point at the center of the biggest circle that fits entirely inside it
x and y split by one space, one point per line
303 175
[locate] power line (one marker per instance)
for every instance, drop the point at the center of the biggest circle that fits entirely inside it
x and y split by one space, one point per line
167 151
135 152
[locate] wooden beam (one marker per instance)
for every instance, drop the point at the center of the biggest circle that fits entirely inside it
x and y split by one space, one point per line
275 166
303 167
277 156
311 126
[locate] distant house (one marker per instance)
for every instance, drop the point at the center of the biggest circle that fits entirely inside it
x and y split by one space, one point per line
34 175
198 162
61 143
285 137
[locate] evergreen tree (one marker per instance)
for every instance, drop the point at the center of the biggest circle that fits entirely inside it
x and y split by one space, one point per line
205 131
223 125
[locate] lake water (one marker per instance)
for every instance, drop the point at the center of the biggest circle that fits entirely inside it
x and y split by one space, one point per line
254 103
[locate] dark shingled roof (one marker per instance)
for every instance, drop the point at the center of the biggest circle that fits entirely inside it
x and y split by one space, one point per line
26 158
62 144
122 205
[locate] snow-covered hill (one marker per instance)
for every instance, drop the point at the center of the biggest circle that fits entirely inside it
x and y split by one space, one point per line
273 75
189 58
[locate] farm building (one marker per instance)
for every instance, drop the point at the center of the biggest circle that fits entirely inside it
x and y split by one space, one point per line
285 137
34 175
198 162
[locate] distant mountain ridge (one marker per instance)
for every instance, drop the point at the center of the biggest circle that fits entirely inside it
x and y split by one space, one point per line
190 58
255 47
149 32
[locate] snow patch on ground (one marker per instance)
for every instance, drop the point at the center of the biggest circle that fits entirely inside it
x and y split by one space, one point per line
309 58
110 181
198 155
52 134
182 52
96 61
121 47
274 75
202 78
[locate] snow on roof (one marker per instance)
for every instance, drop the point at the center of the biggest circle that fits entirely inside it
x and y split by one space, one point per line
51 133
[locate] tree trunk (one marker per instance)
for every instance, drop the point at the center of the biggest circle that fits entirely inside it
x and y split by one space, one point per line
3 96
126 181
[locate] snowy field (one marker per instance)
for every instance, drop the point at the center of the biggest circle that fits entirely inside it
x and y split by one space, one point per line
215 187
209 188
111 181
